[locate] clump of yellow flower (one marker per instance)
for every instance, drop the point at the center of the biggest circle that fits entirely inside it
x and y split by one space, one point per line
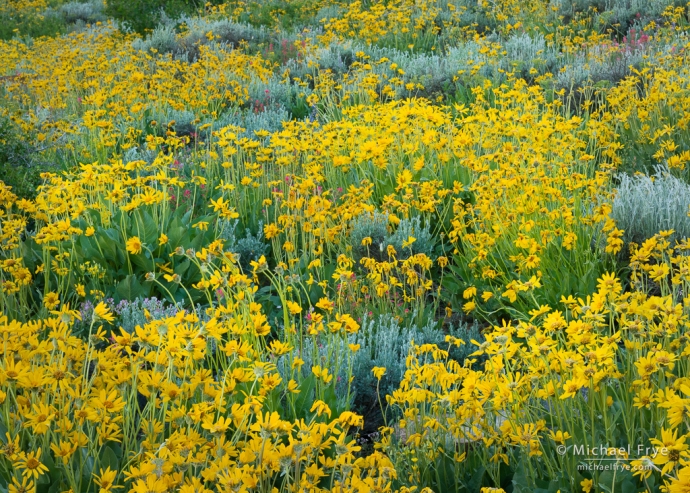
243 388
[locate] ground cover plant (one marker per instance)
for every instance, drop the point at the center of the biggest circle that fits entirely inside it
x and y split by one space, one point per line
326 246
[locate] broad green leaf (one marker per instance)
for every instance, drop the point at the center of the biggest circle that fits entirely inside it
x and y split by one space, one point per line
129 288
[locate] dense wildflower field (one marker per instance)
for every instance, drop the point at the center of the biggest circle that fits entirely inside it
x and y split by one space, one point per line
322 246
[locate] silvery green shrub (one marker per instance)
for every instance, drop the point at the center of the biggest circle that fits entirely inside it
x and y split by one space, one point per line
86 12
375 226
274 93
599 64
370 225
327 13
137 153
248 122
424 239
224 31
645 205
270 119
162 40
435 72
336 58
622 13
165 38
186 122
132 313
384 342
525 52
249 248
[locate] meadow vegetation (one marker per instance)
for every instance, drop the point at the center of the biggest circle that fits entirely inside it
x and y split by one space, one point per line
369 246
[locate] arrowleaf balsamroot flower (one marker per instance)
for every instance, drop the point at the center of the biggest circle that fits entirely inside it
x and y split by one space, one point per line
102 312
30 465
134 245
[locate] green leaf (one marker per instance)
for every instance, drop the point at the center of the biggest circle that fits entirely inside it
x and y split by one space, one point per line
89 247
175 233
305 398
451 284
187 217
56 483
606 481
182 267
628 486
129 288
108 458
273 401
520 481
475 482
149 229
53 471
142 262
330 398
87 470
108 241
